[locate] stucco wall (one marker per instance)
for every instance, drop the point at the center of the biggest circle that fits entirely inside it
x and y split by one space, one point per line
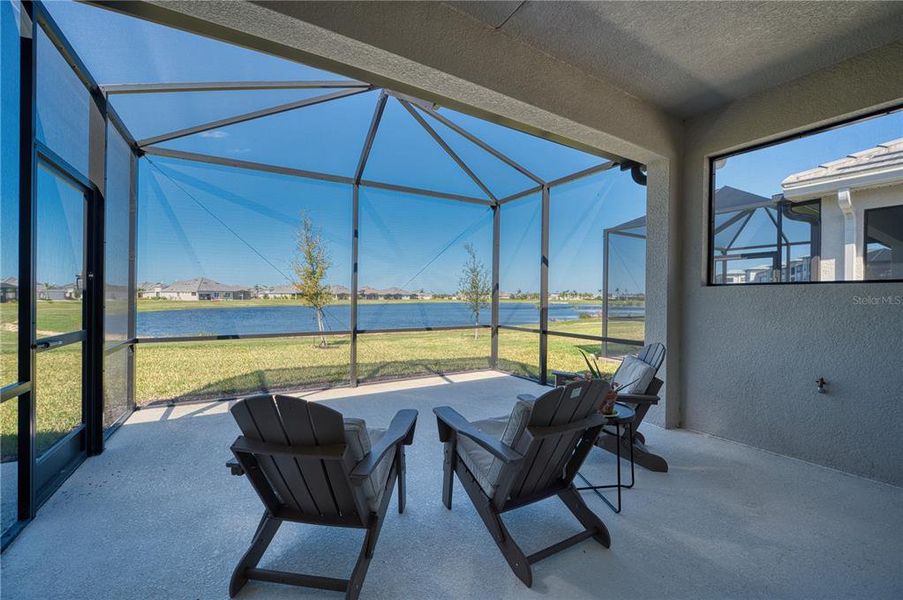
750 355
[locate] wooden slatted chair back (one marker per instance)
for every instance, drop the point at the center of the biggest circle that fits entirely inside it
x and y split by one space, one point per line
557 425
308 487
653 355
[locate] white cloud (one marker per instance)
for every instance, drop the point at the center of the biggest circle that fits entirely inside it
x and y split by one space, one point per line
216 134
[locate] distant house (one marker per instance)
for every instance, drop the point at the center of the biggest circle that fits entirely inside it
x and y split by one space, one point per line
283 291
68 291
395 293
9 289
150 289
286 291
340 292
392 293
201 288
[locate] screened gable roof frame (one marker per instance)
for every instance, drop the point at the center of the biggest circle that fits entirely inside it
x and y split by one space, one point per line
422 114
378 137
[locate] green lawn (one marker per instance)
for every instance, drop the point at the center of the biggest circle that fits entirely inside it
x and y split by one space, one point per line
173 371
176 370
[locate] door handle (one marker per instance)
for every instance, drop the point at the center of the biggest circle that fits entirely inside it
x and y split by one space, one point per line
46 345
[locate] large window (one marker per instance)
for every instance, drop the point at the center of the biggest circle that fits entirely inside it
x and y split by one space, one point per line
796 211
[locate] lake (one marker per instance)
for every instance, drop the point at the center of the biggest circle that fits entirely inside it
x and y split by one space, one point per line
286 319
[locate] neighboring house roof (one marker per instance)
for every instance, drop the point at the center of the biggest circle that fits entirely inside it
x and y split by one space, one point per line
151 285
880 255
394 291
40 287
9 282
202 284
285 288
880 165
730 199
339 289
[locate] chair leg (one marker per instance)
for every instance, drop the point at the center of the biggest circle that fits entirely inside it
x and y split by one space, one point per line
641 455
587 518
265 531
356 581
516 558
448 473
400 468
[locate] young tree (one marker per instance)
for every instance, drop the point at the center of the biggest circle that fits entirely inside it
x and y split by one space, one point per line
474 286
310 265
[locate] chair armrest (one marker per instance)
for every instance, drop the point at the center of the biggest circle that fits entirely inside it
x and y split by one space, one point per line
637 398
234 467
448 419
400 431
594 420
526 397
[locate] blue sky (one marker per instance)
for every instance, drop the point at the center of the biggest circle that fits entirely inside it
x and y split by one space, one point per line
239 226
761 171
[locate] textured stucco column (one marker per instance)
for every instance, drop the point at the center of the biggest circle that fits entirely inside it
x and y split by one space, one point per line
662 295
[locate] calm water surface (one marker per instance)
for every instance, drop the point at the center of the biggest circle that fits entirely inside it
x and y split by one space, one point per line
286 319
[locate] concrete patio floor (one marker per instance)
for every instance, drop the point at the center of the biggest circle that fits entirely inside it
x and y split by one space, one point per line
158 516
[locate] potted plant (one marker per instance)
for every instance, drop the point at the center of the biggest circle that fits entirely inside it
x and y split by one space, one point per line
595 372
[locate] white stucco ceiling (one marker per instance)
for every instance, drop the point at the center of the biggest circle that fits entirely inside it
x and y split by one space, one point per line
689 57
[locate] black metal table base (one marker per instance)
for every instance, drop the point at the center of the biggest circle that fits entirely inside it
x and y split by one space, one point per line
618 486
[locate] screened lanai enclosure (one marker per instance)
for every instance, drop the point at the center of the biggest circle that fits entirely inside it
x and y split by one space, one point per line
157 187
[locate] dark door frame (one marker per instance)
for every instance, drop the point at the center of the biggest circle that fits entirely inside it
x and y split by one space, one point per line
34 487
67 453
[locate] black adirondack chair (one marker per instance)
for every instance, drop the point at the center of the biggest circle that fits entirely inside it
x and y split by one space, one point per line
308 465
533 454
653 355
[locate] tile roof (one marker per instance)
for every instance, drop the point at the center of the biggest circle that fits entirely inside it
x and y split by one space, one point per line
202 284
886 156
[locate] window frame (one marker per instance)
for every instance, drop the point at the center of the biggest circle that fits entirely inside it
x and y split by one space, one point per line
711 159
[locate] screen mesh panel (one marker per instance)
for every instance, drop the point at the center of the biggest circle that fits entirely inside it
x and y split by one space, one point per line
415 250
582 215
215 242
519 261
